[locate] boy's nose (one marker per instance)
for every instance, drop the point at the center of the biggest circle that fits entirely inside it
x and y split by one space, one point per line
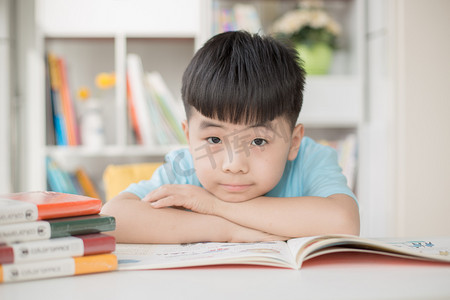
235 162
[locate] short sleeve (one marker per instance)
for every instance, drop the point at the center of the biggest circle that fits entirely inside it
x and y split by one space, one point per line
322 175
178 169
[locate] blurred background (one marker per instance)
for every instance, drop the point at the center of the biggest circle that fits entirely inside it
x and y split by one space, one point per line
86 85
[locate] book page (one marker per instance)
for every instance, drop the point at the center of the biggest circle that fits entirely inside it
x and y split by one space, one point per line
150 256
422 248
438 247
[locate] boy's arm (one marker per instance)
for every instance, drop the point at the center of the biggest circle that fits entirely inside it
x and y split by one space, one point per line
296 216
138 222
291 217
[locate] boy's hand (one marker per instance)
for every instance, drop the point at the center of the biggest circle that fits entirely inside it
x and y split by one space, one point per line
188 196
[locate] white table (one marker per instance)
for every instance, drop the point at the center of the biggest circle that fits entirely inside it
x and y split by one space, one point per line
332 277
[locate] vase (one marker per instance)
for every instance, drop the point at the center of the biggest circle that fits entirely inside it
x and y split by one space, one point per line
316 57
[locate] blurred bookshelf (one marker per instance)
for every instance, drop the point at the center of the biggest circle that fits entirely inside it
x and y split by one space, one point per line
99 36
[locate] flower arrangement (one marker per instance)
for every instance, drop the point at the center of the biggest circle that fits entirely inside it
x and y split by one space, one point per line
103 81
308 24
91 127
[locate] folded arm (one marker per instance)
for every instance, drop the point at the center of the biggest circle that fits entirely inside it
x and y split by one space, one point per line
296 216
138 222
290 217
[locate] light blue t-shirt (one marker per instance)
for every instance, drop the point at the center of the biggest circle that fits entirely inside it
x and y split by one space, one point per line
314 172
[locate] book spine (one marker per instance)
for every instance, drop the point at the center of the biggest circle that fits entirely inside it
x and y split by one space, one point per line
74 226
98 243
55 84
69 209
47 249
49 108
68 107
86 184
44 230
132 113
54 178
57 248
136 78
58 268
6 254
169 109
17 212
31 206
58 179
21 232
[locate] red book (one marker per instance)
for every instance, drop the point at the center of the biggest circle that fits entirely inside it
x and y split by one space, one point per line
73 246
32 206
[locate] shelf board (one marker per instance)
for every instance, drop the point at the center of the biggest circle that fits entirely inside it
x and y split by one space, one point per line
110 151
144 34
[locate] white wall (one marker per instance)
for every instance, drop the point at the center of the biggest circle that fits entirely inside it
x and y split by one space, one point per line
5 175
422 93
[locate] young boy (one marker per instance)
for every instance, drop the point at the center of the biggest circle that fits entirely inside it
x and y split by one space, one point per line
249 174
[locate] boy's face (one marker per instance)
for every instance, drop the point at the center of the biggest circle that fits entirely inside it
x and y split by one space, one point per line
238 162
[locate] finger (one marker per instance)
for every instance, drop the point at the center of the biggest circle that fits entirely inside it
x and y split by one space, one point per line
161 192
165 202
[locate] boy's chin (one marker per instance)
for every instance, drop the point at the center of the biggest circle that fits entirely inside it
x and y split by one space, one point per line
233 198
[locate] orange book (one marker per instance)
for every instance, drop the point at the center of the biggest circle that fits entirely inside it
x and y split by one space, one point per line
32 206
86 184
68 107
58 267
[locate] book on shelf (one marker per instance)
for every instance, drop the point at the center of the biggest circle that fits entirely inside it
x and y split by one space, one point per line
290 254
171 110
87 186
154 113
239 16
71 246
135 72
50 113
54 228
55 100
132 115
58 267
77 182
65 122
39 205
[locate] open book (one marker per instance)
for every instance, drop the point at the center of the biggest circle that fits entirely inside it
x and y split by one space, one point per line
290 254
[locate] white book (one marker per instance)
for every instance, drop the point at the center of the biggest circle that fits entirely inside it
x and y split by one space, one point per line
290 254
136 82
173 110
164 132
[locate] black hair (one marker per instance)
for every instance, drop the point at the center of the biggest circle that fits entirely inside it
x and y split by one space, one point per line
246 78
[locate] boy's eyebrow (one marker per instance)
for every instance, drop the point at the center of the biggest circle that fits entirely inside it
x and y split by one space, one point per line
206 124
267 125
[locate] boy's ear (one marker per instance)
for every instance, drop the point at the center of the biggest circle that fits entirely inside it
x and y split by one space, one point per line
185 127
297 136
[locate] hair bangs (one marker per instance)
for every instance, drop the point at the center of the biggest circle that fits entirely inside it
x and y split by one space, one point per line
244 79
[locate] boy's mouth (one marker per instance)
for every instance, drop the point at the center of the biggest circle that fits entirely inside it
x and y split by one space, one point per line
235 187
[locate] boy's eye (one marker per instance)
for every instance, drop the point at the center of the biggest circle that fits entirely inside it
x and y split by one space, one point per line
259 142
214 140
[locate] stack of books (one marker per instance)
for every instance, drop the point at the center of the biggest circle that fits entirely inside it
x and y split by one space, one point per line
50 234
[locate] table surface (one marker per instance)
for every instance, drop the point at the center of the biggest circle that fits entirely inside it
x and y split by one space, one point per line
337 276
